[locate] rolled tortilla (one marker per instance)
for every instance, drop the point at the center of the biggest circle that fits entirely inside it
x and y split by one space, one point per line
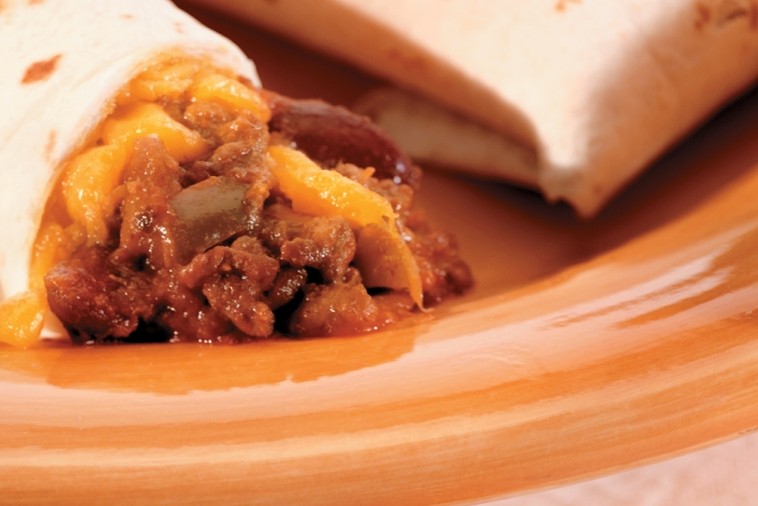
155 191
63 62
578 96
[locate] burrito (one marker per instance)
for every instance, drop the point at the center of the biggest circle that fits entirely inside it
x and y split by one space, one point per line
154 191
572 98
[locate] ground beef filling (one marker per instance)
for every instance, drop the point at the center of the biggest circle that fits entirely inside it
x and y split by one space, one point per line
209 251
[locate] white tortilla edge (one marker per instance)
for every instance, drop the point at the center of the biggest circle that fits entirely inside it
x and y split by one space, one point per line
597 89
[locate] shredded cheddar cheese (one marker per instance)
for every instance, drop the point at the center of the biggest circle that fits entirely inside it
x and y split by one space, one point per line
167 81
231 93
142 119
90 179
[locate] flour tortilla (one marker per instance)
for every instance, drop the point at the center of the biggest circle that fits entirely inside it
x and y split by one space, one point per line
63 61
581 95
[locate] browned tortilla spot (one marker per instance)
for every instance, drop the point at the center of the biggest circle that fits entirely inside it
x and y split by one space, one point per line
127 16
702 16
562 5
52 136
179 27
34 2
40 70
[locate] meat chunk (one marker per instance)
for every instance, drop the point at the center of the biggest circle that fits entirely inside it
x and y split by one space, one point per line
85 304
443 272
148 223
95 301
234 282
326 244
336 309
287 284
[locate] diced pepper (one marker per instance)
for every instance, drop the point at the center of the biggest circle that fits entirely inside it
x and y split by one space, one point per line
209 212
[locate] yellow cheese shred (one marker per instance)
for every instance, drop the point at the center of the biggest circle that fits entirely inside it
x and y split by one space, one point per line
21 318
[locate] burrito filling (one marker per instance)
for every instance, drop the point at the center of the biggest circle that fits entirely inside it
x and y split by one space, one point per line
203 209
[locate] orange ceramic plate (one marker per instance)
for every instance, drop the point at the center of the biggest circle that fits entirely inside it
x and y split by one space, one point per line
585 348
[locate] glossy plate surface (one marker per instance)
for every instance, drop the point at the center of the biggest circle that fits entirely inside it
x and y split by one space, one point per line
584 349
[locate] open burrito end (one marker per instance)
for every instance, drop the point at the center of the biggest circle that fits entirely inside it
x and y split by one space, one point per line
205 209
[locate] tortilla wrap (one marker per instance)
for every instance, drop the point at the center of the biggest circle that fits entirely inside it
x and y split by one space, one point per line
157 192
57 84
581 95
